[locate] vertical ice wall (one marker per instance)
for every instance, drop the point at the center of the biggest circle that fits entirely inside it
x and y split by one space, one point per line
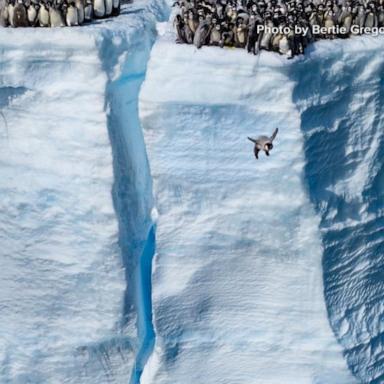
340 94
75 213
237 284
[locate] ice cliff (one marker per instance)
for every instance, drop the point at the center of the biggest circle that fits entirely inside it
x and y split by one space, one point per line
201 265
245 249
76 199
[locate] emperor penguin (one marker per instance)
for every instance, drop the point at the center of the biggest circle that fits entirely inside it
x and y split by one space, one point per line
241 35
187 31
99 8
20 18
371 18
193 22
72 16
263 143
215 37
252 34
275 41
108 7
285 46
202 33
4 15
116 5
360 17
56 18
380 16
329 23
266 35
11 11
43 14
80 11
179 26
88 11
345 20
33 12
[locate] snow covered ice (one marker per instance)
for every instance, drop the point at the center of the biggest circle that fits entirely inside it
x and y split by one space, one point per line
263 272
69 247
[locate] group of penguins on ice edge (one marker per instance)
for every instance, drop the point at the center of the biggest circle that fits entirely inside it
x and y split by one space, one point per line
286 27
55 13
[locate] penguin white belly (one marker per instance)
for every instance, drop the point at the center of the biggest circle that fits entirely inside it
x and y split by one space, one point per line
88 12
276 41
265 40
72 18
284 45
215 36
361 20
116 7
108 7
32 14
329 24
381 19
80 11
99 8
56 19
347 23
369 21
43 17
11 11
241 38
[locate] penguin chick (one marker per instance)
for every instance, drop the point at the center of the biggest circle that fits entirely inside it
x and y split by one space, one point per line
20 18
263 143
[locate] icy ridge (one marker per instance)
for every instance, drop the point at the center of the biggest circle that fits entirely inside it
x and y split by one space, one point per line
340 94
237 282
72 311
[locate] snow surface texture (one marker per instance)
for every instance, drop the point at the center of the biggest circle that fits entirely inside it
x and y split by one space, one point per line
238 294
342 112
238 284
75 258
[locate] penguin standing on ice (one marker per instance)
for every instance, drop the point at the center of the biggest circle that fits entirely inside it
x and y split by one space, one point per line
4 16
20 18
43 15
263 143
88 11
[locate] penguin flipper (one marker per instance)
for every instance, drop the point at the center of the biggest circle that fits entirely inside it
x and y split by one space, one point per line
274 134
253 140
256 152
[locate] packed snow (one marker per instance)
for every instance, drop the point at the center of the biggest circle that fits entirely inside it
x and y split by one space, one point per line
237 284
344 145
226 270
71 276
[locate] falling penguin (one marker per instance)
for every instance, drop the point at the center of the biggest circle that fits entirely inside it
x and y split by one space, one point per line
263 143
